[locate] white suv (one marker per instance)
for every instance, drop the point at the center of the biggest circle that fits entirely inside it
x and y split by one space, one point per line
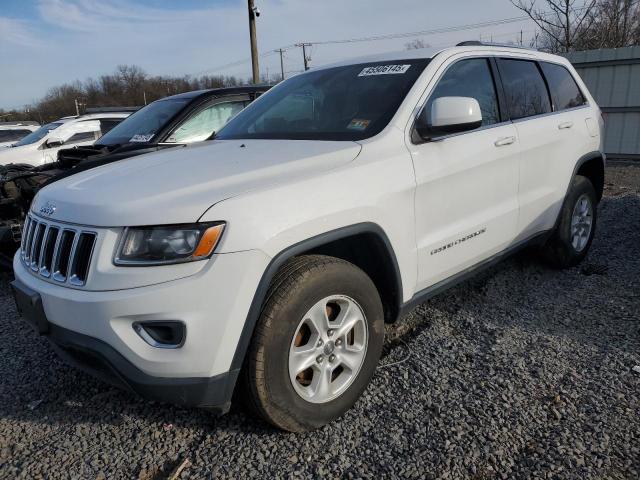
11 132
270 258
42 145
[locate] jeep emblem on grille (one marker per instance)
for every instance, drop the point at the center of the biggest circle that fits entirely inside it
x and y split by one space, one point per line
48 209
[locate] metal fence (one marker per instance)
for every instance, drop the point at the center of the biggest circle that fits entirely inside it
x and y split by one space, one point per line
613 78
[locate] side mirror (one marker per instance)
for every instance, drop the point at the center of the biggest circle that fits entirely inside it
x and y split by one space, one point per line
54 143
449 115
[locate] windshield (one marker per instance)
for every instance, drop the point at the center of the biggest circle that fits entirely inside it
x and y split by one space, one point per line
204 123
342 103
38 135
144 124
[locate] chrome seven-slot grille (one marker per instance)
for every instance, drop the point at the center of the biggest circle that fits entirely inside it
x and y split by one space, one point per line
59 252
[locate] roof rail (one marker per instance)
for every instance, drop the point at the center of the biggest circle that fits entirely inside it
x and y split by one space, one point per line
477 43
111 109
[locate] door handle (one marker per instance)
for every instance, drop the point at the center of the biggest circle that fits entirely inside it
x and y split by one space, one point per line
501 142
564 125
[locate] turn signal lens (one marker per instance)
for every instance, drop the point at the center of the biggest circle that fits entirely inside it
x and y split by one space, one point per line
209 241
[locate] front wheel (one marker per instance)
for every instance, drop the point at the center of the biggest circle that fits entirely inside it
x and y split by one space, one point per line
316 344
576 227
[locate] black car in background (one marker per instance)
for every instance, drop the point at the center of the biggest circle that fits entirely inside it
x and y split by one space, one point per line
166 123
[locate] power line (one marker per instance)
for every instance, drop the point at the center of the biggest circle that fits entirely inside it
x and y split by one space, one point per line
391 36
434 31
373 38
232 64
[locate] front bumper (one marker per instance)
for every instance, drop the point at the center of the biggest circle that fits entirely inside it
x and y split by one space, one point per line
102 361
94 330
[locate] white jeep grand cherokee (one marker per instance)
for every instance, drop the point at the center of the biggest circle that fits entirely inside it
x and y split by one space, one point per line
269 259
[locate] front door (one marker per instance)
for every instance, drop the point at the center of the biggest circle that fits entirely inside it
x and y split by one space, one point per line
466 198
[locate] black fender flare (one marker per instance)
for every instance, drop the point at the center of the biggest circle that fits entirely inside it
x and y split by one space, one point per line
581 161
587 157
305 245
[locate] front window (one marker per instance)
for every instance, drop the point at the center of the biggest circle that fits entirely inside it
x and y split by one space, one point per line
82 137
470 78
143 125
343 103
38 135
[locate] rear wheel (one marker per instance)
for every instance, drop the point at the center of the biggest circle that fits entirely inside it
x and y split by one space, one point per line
576 227
316 344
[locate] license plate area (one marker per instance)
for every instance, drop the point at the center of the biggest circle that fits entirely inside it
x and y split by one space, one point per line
29 305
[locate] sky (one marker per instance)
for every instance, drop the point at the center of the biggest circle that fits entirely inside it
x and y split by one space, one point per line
44 43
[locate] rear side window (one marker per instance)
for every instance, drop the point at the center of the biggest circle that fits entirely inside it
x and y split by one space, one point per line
564 89
524 88
470 78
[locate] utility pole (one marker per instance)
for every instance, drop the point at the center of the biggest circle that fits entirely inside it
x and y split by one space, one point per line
304 53
253 13
281 51
77 108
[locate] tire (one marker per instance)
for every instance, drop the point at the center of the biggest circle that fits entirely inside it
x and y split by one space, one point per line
310 293
564 249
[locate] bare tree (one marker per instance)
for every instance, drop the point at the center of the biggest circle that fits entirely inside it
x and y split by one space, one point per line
129 85
559 20
614 24
416 44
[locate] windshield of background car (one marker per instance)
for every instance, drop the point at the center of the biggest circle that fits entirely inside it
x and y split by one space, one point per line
38 135
353 102
13 135
142 126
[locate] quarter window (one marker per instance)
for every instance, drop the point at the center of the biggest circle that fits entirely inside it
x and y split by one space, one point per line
470 78
524 88
564 89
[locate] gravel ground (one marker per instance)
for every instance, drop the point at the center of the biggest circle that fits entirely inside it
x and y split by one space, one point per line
524 372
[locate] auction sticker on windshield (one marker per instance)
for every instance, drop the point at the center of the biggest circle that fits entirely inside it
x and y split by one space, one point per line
141 138
384 70
358 124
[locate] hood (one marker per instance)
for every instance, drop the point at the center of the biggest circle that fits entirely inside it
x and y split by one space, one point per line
178 185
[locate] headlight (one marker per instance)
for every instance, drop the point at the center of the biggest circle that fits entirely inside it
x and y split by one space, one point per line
168 244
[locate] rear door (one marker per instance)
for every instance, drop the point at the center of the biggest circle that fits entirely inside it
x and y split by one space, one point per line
548 114
466 198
